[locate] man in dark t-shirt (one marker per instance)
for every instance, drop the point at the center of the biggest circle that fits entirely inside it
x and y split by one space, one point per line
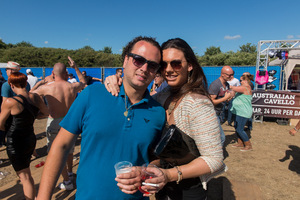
220 94
219 91
89 80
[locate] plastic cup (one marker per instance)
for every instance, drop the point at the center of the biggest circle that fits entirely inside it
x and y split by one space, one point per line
123 167
147 173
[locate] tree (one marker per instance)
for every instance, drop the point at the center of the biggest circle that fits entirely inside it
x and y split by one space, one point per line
210 51
248 48
87 48
107 50
2 44
23 44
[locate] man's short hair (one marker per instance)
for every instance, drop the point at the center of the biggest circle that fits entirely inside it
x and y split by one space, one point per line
128 48
118 69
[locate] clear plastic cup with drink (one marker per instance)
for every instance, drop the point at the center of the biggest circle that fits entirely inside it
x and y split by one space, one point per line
147 172
123 167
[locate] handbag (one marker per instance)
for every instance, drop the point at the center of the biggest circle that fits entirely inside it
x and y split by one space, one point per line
176 147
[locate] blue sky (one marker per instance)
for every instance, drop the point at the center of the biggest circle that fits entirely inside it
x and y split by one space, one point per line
74 24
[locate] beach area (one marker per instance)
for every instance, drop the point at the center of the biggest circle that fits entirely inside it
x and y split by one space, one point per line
271 171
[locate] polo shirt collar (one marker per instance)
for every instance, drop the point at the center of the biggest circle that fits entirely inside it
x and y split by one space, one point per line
144 100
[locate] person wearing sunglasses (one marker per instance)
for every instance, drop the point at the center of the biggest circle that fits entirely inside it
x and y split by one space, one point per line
219 91
6 90
242 108
112 128
189 107
158 82
230 117
220 95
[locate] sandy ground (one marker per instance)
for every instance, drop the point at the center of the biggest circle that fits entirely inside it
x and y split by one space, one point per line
271 171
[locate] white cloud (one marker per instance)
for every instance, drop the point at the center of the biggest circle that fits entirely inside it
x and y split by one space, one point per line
298 36
194 47
86 39
46 42
290 36
228 37
120 50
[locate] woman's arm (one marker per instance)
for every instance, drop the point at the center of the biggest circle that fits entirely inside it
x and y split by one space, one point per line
5 112
240 89
197 118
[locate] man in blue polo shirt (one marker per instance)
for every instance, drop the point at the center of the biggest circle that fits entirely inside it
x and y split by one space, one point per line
113 128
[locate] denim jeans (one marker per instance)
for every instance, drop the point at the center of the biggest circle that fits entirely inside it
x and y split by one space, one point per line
239 125
250 123
230 115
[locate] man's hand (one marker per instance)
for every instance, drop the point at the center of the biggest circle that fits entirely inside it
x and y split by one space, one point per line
71 62
228 96
129 182
112 84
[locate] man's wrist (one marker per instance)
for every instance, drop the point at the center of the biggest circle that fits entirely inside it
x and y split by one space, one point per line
296 129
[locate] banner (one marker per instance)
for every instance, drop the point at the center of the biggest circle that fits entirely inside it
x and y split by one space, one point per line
280 104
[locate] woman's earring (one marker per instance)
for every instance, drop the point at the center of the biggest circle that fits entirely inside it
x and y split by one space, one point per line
189 76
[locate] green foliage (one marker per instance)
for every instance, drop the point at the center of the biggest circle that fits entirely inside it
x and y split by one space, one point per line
2 45
229 58
88 48
210 51
23 44
248 48
29 56
107 50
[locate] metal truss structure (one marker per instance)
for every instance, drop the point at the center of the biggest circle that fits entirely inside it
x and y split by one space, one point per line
262 59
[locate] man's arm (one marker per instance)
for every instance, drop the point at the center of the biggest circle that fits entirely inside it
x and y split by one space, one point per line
82 80
47 79
44 112
96 79
55 162
226 97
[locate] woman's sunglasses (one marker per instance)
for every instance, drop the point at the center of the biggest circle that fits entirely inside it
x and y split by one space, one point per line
139 61
175 64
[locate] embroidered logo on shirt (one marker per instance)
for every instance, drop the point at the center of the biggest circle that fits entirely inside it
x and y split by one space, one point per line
146 120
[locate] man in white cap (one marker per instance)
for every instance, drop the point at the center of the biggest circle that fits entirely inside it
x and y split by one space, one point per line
6 90
31 79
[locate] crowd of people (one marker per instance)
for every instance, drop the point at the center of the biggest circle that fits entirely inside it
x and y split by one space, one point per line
121 120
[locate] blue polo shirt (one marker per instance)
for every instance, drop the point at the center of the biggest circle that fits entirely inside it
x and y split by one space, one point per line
108 137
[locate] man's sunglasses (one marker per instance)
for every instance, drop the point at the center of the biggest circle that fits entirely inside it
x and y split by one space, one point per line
139 61
229 74
175 64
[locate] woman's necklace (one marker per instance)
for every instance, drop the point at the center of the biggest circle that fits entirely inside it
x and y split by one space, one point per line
171 107
126 111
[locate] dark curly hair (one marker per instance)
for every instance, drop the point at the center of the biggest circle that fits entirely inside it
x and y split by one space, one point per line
128 48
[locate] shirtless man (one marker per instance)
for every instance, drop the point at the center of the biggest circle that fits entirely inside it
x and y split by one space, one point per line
60 95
